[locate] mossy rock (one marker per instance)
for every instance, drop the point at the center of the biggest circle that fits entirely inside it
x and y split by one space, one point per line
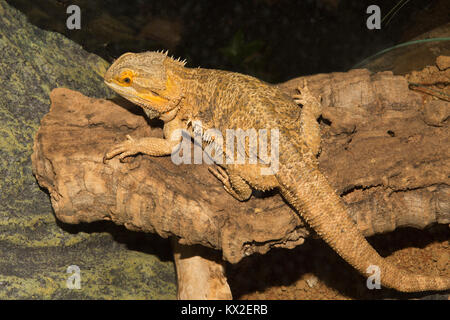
36 249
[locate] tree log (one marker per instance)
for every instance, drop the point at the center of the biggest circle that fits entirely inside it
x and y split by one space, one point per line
379 151
385 149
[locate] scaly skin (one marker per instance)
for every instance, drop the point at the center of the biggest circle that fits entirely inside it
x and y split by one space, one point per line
223 100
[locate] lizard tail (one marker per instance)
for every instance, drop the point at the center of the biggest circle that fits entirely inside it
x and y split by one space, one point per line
309 192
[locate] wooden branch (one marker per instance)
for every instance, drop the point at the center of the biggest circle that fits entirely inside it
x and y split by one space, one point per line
380 151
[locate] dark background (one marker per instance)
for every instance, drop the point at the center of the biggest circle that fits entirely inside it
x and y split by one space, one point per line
274 40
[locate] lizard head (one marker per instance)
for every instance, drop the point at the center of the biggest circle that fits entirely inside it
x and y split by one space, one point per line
143 78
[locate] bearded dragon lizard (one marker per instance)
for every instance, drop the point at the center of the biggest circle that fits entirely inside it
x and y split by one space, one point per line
222 100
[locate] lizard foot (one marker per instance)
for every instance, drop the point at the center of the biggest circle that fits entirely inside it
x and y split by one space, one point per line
241 191
222 176
306 98
124 149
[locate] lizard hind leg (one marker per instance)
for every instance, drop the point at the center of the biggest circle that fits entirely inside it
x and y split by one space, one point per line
232 183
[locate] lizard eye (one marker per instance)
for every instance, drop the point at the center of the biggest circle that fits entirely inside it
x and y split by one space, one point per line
125 78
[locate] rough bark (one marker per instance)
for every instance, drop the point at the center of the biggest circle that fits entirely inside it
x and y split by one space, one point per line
380 151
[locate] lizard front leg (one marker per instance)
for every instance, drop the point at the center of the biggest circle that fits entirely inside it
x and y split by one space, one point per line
150 145
232 183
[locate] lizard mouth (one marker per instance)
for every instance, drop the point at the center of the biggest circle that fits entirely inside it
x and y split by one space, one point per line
154 105
129 93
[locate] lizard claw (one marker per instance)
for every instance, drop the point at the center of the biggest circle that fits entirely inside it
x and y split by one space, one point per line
220 174
306 98
303 95
223 176
124 149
